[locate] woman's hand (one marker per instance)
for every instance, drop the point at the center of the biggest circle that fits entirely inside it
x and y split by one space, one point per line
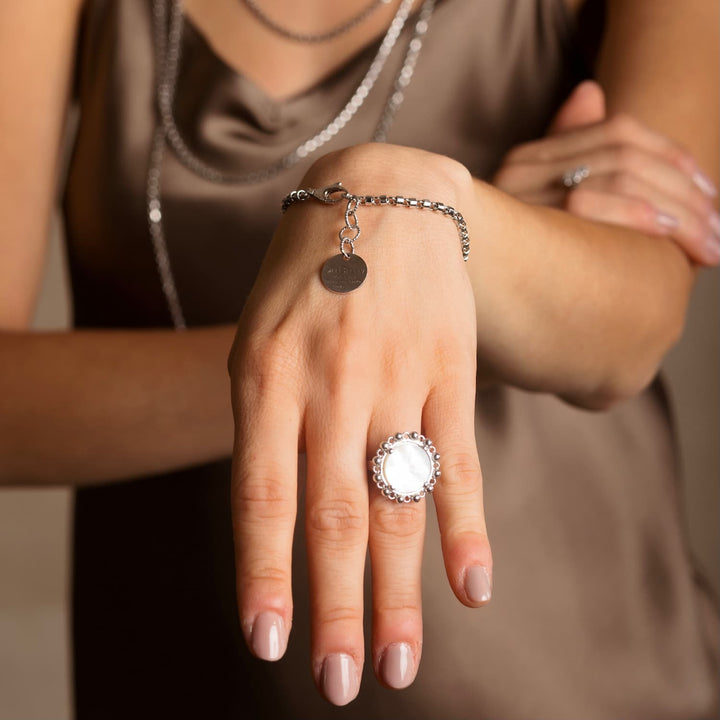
638 178
335 375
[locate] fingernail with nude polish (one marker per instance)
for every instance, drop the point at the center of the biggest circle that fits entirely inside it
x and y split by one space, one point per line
397 666
712 249
268 639
704 183
477 584
339 679
666 221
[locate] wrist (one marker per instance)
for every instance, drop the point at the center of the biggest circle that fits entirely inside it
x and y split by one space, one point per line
370 180
379 168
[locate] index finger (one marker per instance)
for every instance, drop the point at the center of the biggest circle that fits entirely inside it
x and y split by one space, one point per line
264 507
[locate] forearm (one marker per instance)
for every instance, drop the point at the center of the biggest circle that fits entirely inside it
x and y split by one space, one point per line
564 305
94 406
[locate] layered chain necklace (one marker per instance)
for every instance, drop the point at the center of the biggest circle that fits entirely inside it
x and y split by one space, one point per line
168 37
341 29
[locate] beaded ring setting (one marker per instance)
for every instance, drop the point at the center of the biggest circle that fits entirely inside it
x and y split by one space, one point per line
406 467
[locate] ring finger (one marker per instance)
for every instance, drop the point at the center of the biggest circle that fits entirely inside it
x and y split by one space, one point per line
397 531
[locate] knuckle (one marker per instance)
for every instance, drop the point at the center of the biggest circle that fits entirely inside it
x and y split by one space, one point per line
461 474
398 603
642 214
625 156
338 518
392 522
453 356
621 181
622 126
261 500
342 614
678 156
267 364
267 576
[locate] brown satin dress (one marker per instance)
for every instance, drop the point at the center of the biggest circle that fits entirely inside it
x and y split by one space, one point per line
598 612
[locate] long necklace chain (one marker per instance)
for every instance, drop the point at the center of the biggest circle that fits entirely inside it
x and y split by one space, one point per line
308 38
168 36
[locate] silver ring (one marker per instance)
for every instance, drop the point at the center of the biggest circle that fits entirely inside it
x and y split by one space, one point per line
572 178
406 467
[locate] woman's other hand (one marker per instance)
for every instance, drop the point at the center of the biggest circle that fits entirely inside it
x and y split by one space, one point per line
333 376
638 178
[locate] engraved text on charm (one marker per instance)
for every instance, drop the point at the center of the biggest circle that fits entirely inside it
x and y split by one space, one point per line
342 274
406 467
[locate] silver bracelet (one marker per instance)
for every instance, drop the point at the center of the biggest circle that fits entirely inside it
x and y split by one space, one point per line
346 271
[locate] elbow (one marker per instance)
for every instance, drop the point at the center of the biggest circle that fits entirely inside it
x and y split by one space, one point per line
614 391
631 372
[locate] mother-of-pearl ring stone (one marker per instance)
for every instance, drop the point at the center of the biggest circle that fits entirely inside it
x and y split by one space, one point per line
406 467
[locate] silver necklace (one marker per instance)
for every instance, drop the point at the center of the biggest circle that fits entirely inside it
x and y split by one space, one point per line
168 36
337 31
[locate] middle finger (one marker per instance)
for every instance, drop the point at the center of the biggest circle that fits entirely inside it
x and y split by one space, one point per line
336 534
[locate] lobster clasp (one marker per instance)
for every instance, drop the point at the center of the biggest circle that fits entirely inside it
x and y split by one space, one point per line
330 194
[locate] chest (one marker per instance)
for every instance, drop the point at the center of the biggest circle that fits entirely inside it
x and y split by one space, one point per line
248 35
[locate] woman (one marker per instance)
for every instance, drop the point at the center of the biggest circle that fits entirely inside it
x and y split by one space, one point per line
595 612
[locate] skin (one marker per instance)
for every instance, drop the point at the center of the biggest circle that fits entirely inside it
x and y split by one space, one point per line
627 286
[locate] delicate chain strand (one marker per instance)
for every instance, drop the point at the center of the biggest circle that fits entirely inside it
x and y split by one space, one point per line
320 37
153 194
168 36
168 84
403 78
157 232
354 201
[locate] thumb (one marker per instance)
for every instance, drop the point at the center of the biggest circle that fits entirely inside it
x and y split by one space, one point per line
585 105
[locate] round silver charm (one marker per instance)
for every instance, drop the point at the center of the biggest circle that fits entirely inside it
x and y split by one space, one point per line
342 274
406 467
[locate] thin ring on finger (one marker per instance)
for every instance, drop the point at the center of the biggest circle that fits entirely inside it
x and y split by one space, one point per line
572 178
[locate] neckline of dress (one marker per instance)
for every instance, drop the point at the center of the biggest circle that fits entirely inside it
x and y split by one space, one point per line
280 105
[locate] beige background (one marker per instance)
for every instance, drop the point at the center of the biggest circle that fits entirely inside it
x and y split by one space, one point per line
35 524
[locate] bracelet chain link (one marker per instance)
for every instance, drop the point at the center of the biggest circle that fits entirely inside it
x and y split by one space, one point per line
336 192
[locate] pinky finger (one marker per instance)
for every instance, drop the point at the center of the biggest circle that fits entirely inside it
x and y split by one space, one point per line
448 418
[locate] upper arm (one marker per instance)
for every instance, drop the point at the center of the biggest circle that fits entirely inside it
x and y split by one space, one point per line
659 63
37 47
